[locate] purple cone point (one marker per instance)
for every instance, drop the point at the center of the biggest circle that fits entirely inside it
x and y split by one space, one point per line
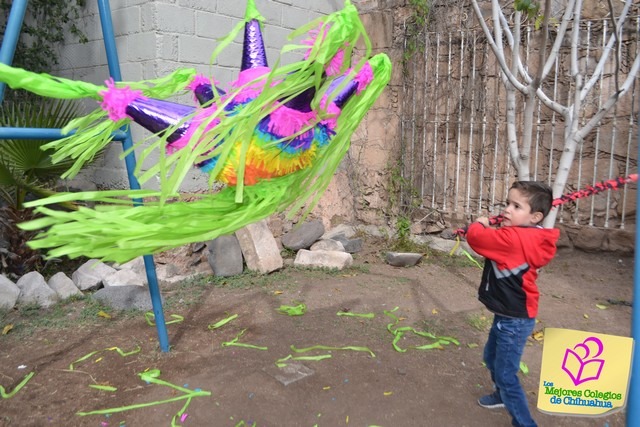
302 102
204 93
345 93
253 52
156 115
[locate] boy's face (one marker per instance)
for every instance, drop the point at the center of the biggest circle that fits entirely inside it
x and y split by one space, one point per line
518 211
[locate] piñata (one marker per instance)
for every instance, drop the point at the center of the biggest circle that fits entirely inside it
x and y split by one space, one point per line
275 137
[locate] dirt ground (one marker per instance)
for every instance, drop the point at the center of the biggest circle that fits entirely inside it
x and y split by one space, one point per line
437 387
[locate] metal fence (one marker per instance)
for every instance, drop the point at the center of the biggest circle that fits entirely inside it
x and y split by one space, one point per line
455 157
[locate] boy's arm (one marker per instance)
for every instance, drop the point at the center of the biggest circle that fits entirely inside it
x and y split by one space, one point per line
490 242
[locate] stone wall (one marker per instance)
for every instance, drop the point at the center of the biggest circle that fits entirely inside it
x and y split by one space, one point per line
360 190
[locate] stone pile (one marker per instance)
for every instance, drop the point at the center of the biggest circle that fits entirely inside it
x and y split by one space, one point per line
125 286
253 247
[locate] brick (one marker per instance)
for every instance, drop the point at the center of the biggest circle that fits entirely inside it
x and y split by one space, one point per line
148 17
230 57
204 5
213 26
140 47
293 17
126 21
131 71
176 19
234 9
168 47
196 50
271 11
327 7
275 37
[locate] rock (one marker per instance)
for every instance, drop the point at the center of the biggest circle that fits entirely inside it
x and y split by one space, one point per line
327 245
225 256
444 245
90 274
198 246
136 264
433 228
289 373
375 231
9 293
303 236
344 230
353 246
403 259
620 241
259 248
448 234
125 277
589 239
323 259
63 285
350 245
164 272
34 290
125 297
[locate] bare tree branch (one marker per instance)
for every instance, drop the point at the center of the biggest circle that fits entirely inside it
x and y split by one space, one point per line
611 101
497 50
606 52
562 30
521 69
612 16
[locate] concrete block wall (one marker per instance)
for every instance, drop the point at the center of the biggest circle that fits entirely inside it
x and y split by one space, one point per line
154 38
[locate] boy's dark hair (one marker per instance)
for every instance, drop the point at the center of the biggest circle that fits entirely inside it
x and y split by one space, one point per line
539 194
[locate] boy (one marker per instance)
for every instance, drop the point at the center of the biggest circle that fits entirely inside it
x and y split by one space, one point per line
513 253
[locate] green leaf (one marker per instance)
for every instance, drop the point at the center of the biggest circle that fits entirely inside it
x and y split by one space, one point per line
25 167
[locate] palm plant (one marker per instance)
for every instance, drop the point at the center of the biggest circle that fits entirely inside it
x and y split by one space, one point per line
26 170
24 166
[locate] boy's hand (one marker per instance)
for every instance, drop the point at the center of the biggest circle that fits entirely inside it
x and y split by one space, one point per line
483 220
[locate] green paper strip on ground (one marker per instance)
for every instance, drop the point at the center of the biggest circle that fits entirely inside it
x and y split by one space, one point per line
399 332
17 388
324 347
222 322
152 376
103 387
150 317
348 314
280 362
117 349
234 342
297 310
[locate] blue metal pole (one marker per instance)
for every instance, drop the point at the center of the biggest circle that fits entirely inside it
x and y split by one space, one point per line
11 36
45 133
633 409
130 161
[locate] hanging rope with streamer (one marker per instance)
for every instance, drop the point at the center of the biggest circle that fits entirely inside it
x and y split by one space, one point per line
591 190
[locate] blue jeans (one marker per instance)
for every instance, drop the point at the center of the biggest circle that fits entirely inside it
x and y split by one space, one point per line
502 354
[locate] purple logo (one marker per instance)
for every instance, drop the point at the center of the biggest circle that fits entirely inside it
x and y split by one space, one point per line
581 363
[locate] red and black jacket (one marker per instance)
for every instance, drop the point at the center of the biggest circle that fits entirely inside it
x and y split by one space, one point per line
513 256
